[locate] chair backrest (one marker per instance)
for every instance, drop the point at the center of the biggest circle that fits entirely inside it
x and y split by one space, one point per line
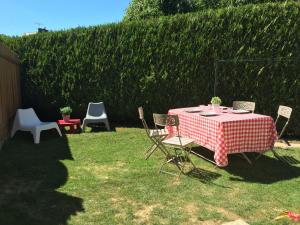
250 106
96 109
163 120
285 112
141 112
27 117
141 116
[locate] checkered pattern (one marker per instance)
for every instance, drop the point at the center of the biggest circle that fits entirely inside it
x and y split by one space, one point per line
226 133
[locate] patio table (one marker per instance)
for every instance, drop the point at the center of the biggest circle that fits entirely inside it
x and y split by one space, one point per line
71 123
226 133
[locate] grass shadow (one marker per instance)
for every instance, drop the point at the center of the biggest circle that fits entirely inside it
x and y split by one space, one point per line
204 152
100 127
202 175
265 170
286 158
29 177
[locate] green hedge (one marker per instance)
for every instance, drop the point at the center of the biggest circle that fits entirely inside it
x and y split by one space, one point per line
166 63
145 9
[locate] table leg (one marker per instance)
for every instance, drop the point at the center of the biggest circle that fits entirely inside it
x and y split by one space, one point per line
62 128
72 128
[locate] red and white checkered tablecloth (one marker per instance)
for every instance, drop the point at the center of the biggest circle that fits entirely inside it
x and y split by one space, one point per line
226 133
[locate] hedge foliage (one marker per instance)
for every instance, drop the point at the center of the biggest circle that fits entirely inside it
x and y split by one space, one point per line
5 39
145 9
166 63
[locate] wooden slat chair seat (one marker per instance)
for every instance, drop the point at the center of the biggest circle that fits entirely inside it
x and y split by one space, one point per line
159 132
180 145
178 141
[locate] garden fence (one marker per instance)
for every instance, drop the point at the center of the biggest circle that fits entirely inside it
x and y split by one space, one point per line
10 96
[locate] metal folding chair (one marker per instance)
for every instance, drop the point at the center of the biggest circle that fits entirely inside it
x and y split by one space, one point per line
285 112
250 106
180 145
155 135
245 105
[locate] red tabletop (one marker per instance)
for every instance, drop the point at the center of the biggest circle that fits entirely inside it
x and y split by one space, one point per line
227 132
70 122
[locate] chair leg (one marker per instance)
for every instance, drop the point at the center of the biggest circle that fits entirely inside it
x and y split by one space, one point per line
156 145
247 158
181 160
167 172
272 150
275 154
168 160
58 130
162 147
203 157
150 151
13 130
188 153
84 125
107 125
36 136
282 159
182 163
260 154
286 142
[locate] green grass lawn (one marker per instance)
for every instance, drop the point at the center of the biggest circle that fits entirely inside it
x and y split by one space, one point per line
102 178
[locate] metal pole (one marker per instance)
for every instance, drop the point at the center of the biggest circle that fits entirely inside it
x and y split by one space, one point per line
216 77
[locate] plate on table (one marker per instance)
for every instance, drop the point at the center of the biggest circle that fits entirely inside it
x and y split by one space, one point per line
208 114
223 107
240 111
193 111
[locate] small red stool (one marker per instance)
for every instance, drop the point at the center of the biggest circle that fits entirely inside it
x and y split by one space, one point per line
71 123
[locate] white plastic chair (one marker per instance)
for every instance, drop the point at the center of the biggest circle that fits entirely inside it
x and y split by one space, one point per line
95 114
27 120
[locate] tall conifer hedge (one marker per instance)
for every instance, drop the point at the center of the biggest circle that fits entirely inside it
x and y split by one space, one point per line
167 62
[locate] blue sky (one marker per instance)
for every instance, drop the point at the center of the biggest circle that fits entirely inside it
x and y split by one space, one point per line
21 16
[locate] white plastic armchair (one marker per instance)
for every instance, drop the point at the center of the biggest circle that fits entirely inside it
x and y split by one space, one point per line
27 120
95 114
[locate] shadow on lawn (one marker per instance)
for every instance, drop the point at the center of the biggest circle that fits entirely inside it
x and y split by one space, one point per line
265 170
29 175
202 175
99 127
